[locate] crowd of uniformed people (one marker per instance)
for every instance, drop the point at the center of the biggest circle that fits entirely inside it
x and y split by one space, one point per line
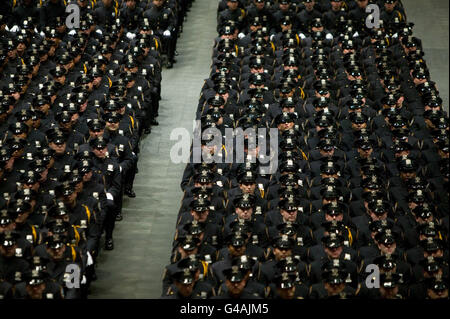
358 206
76 100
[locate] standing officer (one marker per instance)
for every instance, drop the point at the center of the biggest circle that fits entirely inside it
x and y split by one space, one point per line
163 22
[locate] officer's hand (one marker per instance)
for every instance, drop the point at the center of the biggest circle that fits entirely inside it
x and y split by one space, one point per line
302 36
15 28
99 32
72 32
329 36
272 36
241 35
130 35
395 35
356 34
167 33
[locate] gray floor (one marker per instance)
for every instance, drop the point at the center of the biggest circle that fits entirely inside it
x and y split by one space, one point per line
143 239
431 26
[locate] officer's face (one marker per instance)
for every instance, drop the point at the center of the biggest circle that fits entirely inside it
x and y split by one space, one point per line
131 4
285 126
362 3
35 291
97 80
285 28
335 5
334 289
317 29
309 5
247 188
100 153
259 5
244 213
407 175
112 126
22 217
107 3
388 293
200 216
56 253
236 251
327 153
289 215
60 79
330 218
286 293
358 126
377 216
281 253
334 252
232 5
58 148
8 251
21 47
435 253
390 6
387 249
365 153
87 177
236 288
284 6
185 289
439 294
158 3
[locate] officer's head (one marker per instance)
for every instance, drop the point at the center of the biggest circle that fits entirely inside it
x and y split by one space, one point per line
247 182
184 280
99 146
334 211
389 285
244 206
424 213
112 121
378 209
259 4
82 3
386 242
233 4
56 246
282 247
362 3
187 245
200 209
236 280
285 285
336 4
309 4
107 3
289 209
389 5
131 4
22 208
8 242
432 267
333 245
432 247
437 287
284 4
237 243
158 3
